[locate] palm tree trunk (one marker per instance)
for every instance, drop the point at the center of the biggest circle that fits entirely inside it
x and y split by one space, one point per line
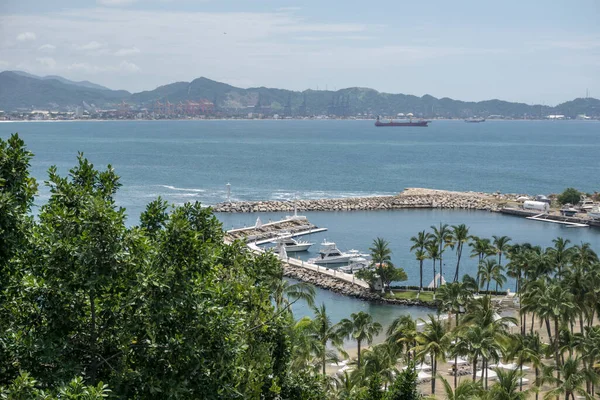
455 370
441 270
434 365
358 343
474 367
537 373
434 283
521 377
459 251
548 329
487 289
420 275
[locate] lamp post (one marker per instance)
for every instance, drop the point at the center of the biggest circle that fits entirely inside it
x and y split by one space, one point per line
228 192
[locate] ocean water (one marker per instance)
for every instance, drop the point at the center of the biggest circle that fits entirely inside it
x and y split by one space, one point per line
194 160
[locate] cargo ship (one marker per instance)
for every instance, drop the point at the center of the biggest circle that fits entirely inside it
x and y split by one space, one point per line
401 123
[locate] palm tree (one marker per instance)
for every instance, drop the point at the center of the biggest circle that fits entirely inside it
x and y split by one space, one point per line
381 359
520 351
572 380
460 236
481 248
467 390
443 238
486 271
507 386
381 255
560 253
360 328
433 253
419 243
432 341
535 347
556 304
501 246
498 276
324 332
403 333
453 298
285 293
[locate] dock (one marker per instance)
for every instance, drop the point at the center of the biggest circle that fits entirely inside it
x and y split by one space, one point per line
297 226
574 222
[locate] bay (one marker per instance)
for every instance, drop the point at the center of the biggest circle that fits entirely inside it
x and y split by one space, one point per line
193 160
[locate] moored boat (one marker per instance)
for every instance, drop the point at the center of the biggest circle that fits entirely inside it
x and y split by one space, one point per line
330 254
568 210
292 245
594 213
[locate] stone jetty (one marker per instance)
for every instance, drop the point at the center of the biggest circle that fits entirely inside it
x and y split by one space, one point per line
345 288
409 198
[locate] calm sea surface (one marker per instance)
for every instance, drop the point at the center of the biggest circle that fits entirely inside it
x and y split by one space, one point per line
193 160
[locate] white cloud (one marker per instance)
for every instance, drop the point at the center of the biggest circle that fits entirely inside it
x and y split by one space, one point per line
93 45
48 62
128 67
26 36
127 51
47 48
115 3
124 66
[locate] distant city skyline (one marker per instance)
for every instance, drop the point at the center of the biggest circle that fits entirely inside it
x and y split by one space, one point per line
531 52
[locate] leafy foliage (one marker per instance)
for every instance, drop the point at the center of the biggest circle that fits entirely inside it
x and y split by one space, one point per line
569 195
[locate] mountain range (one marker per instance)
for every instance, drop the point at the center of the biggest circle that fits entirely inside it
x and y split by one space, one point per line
23 91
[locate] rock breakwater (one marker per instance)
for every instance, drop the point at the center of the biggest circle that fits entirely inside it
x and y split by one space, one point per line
409 198
345 288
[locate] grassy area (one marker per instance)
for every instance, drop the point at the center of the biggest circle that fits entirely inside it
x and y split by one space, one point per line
412 295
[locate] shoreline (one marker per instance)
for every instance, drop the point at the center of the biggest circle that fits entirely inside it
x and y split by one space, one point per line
348 289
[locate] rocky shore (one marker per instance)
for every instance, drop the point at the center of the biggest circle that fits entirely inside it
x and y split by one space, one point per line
345 288
409 198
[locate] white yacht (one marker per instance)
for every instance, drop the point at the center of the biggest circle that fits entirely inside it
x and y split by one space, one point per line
292 245
356 264
586 204
594 213
330 254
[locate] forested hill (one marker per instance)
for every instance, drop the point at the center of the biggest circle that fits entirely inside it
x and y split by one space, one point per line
18 90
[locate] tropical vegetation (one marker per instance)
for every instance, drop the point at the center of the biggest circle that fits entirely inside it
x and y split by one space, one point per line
93 308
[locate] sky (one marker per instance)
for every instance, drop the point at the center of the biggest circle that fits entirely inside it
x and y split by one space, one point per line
531 51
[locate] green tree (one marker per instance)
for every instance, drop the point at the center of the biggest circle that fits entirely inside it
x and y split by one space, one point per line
508 386
467 390
569 195
405 385
433 341
433 253
442 236
381 255
460 236
419 244
361 328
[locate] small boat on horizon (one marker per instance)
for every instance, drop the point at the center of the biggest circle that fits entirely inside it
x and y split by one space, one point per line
475 120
